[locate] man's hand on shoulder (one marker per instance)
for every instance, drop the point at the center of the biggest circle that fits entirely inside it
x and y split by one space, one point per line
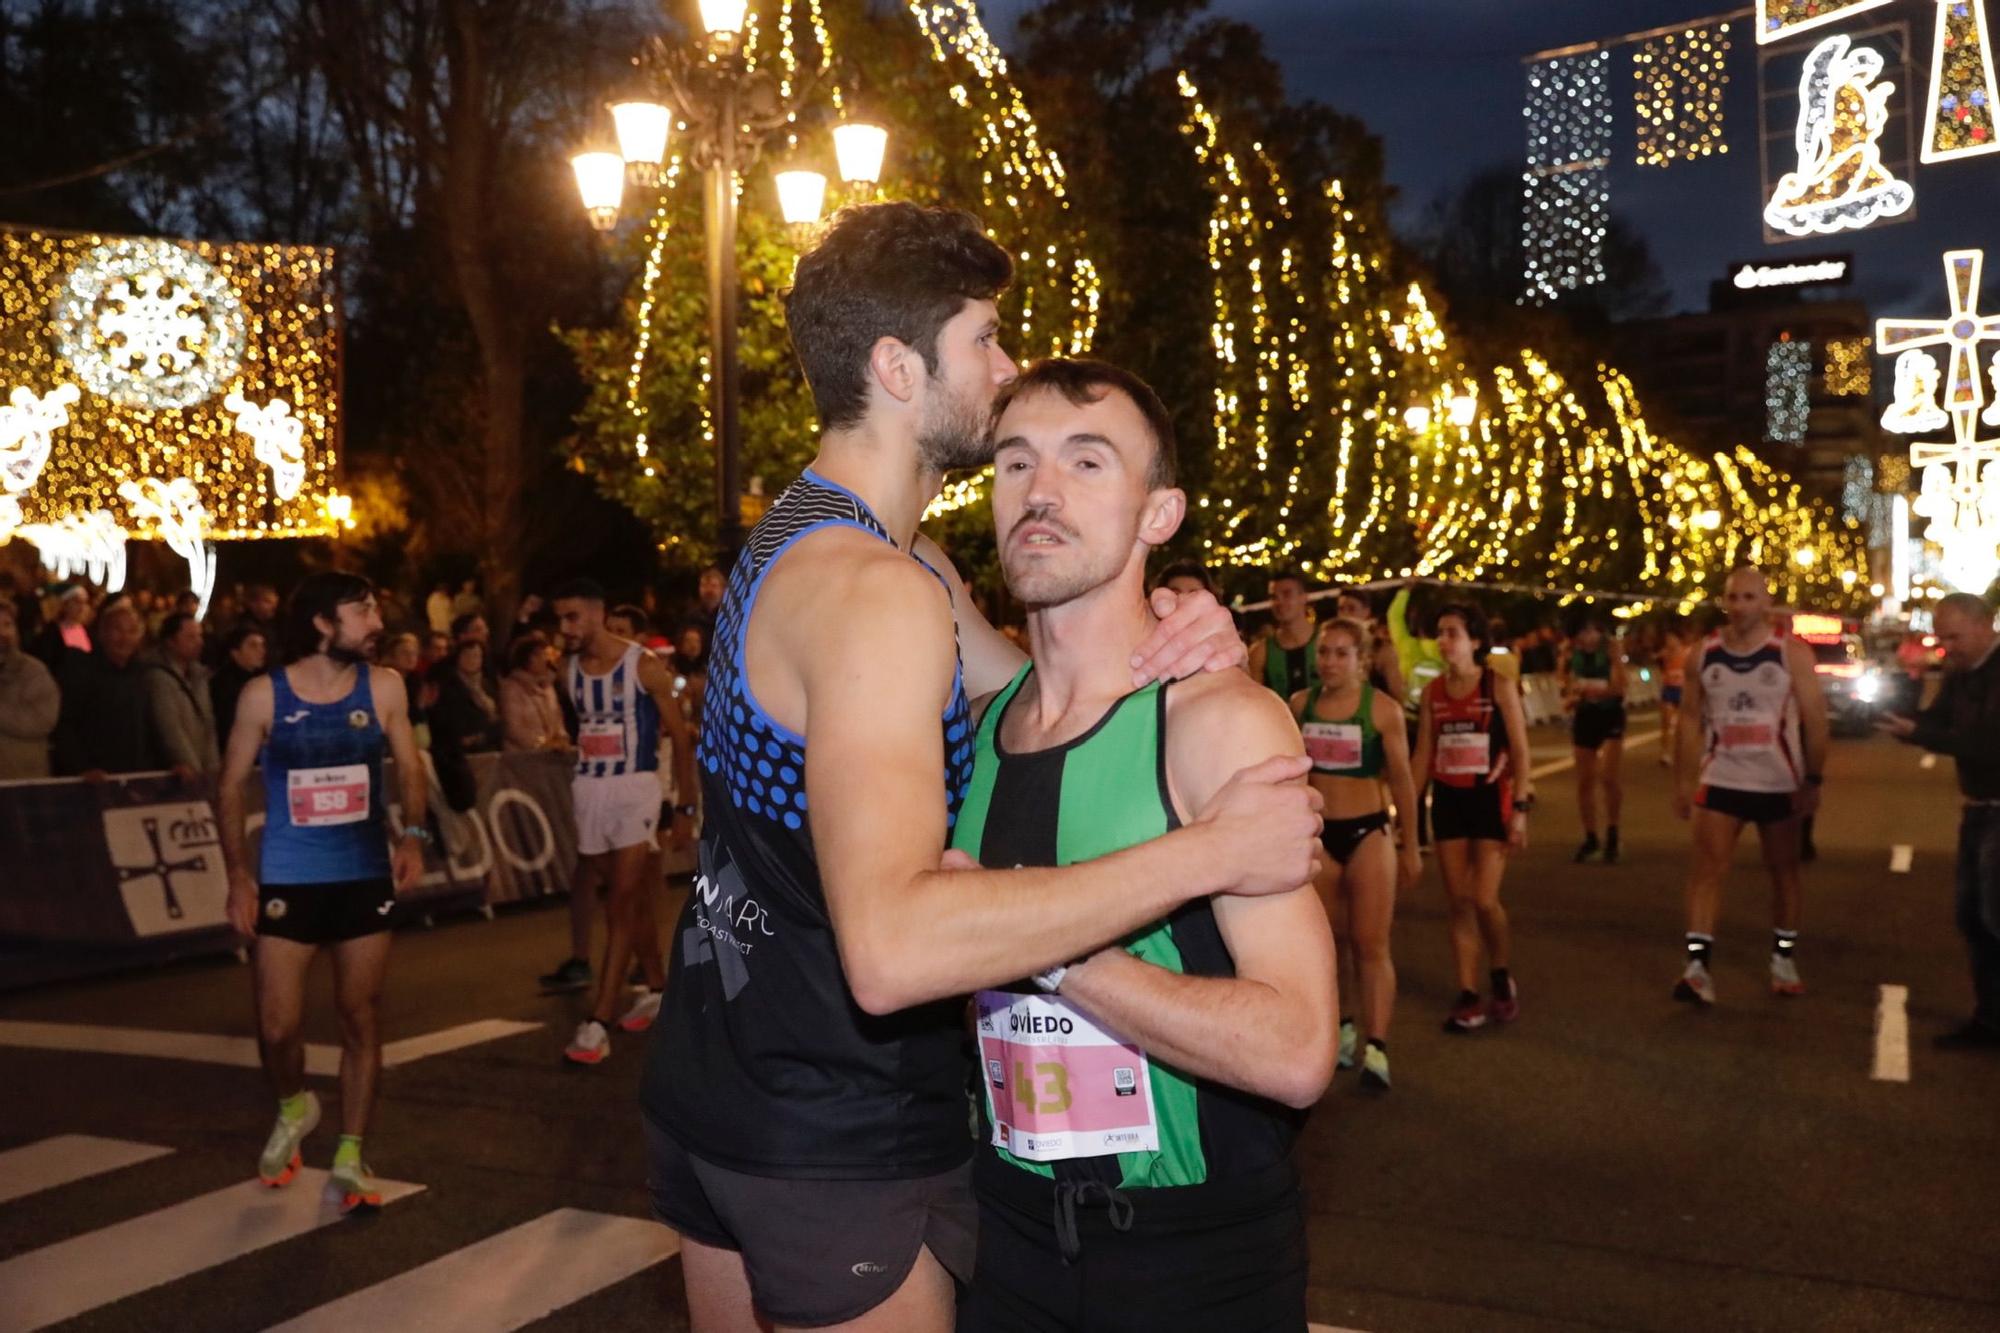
1196 633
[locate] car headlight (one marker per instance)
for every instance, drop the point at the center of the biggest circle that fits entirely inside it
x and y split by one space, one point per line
1868 688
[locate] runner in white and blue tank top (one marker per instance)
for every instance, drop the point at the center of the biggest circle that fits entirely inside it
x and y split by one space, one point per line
325 876
618 722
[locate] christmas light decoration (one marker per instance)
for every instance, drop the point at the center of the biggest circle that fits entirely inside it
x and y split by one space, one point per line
1915 410
1840 183
175 509
1567 192
91 545
288 302
1779 19
1682 78
1787 391
10 516
278 440
27 423
1964 89
1849 371
1963 331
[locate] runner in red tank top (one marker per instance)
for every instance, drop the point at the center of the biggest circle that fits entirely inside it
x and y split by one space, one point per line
1472 748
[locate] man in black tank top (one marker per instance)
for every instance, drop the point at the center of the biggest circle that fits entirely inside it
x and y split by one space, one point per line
1151 1092
804 1096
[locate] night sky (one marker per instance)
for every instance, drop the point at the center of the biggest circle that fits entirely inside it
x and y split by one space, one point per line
1441 81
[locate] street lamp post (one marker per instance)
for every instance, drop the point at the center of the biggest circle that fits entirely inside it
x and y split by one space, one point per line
727 111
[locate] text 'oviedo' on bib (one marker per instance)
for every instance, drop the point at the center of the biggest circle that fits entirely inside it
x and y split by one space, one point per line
1058 1085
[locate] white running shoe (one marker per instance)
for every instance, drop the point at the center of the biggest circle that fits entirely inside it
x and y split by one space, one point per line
280 1161
1349 1041
641 1015
1785 976
591 1044
1695 985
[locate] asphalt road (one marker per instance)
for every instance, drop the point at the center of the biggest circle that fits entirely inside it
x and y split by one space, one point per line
1614 1160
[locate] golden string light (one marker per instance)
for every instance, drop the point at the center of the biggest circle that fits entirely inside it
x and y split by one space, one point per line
1849 368
1682 78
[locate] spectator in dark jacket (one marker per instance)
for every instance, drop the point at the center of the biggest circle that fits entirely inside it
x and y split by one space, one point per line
107 723
465 719
245 653
69 631
182 707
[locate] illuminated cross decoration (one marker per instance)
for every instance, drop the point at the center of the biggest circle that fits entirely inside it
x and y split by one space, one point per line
1965 526
1779 19
1964 88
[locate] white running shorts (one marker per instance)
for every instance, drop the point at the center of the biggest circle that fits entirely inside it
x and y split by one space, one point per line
616 812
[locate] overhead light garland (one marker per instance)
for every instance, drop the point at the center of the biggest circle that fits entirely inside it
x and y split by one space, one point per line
1787 391
1964 88
1681 80
1567 191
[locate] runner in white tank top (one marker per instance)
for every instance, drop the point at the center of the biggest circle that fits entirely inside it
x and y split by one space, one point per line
1753 740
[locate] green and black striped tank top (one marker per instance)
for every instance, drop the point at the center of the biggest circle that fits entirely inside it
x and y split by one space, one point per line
1101 793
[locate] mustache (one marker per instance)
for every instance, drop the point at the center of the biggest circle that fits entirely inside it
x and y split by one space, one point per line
1044 517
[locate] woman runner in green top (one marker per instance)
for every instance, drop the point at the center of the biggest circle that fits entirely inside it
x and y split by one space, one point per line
1354 735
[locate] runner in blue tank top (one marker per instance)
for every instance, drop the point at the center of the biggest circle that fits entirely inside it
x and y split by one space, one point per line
325 876
805 1093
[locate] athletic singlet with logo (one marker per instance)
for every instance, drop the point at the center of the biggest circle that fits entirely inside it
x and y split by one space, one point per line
1349 747
761 1061
617 721
1594 666
1289 670
323 811
1068 1087
1468 744
1751 715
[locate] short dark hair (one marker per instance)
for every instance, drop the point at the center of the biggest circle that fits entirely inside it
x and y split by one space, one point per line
172 625
321 594
1968 604
460 624
524 648
1186 569
1082 381
580 590
891 270
641 622
239 633
1475 624
1358 594
1292 576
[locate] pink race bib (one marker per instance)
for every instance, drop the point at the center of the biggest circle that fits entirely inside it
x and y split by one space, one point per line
1057 1085
1333 745
1464 753
322 797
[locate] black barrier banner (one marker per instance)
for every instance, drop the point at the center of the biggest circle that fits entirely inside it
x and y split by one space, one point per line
129 870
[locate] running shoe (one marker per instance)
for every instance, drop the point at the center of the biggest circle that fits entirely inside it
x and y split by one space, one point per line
1785 977
280 1161
574 974
1695 985
1586 849
1375 1069
1468 1015
1611 848
642 1013
1348 1041
591 1044
1509 1009
356 1186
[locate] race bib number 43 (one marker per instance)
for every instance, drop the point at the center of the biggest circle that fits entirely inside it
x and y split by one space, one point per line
1058 1085
320 797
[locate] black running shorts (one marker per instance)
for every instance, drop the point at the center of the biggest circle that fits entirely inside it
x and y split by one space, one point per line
326 913
1342 838
1224 1257
1591 727
1752 807
818 1252
1479 812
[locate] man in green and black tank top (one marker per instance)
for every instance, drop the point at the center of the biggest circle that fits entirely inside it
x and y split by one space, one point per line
1139 1104
1286 659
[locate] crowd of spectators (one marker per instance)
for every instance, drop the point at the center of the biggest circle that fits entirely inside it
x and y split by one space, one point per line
94 684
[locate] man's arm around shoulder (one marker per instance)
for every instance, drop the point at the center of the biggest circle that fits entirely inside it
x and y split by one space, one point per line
1270 1029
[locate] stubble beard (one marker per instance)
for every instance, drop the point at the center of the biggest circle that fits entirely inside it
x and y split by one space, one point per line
958 435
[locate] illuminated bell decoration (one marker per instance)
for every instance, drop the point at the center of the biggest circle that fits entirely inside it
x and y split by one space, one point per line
278 440
1915 410
801 196
859 148
600 179
1840 183
642 138
175 506
149 324
27 424
1964 88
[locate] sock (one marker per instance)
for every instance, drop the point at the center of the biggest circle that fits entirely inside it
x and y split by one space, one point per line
1501 984
293 1107
1611 836
1698 946
1468 997
1379 1044
1783 942
349 1151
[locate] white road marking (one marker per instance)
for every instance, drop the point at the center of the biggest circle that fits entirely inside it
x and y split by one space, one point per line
62 1281
67 1157
504 1281
1900 858
208 1048
1892 1036
1569 757
1329 1328
1928 761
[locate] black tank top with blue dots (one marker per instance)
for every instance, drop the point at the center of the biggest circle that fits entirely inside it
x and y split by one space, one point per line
761 1062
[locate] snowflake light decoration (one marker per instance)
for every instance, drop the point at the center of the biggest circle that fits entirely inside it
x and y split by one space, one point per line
279 440
26 424
149 324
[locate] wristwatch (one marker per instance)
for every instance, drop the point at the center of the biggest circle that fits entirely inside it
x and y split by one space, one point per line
417 831
688 810
1523 804
1051 980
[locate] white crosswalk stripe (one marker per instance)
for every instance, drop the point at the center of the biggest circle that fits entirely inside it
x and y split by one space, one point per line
67 1157
208 1048
504 1281
63 1280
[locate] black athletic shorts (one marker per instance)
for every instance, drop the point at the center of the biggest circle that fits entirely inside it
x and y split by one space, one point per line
1752 807
818 1252
1591 727
1343 837
326 913
1224 1257
1471 812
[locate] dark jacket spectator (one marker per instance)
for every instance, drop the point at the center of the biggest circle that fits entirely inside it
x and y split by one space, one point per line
106 724
69 631
465 719
245 653
29 704
183 713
